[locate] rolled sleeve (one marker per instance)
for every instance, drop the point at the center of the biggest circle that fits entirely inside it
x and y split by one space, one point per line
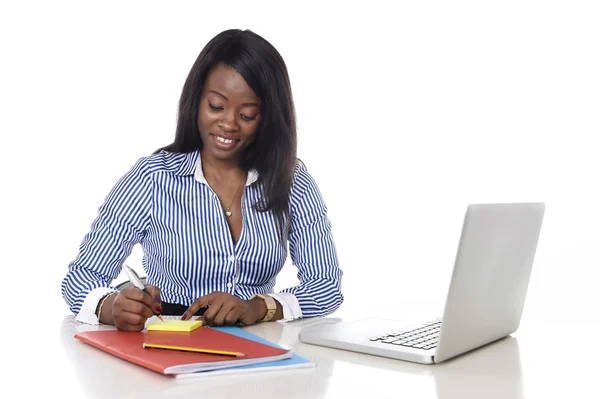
87 313
289 305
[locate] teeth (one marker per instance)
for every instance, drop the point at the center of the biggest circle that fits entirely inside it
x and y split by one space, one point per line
222 140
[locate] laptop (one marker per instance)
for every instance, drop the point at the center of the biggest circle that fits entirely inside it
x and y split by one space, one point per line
484 302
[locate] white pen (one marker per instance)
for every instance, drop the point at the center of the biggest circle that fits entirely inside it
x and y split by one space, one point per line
135 280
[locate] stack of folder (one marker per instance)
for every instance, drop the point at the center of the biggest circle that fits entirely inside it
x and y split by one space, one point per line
194 350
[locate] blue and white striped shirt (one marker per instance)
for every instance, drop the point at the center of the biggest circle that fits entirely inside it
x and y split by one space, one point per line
165 204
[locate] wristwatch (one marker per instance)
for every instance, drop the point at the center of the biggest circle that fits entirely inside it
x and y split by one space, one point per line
271 305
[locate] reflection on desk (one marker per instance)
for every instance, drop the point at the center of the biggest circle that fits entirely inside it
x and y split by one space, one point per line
520 366
493 371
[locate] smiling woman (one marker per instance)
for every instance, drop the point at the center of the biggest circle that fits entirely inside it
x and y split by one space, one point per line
216 210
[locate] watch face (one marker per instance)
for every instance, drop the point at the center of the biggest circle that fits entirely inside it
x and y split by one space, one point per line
269 315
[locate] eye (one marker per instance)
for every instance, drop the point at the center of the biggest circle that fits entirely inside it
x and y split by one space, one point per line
215 108
248 118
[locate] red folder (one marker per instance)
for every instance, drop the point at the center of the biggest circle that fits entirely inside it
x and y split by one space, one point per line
129 346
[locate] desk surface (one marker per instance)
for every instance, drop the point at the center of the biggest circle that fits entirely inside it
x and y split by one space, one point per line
540 359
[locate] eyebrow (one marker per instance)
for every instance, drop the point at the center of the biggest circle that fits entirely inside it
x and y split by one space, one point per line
245 104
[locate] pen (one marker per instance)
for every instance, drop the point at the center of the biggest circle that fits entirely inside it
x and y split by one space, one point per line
135 280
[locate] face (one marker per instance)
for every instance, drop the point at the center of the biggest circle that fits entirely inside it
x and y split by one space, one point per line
228 116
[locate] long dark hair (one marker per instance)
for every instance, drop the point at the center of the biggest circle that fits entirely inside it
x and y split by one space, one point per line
273 151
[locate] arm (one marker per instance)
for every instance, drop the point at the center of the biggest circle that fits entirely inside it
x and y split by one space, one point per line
312 250
121 222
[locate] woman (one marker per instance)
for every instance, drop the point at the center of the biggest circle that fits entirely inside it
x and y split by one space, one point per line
215 210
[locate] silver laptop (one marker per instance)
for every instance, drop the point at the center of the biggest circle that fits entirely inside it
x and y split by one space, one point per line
485 298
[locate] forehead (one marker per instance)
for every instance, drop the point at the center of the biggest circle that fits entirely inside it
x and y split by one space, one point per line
228 82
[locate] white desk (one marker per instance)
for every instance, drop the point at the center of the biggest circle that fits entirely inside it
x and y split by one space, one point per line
533 363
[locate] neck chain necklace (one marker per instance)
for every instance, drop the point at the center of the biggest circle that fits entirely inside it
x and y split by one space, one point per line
227 211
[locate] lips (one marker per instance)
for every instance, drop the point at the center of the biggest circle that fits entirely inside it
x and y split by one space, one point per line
224 143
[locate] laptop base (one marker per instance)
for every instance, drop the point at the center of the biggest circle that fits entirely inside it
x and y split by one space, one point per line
355 336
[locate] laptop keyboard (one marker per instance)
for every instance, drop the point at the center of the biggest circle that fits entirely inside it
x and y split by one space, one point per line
425 337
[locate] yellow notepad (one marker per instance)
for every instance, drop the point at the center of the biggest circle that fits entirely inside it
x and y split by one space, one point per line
175 325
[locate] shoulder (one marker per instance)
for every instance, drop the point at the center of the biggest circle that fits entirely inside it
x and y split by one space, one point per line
302 177
303 183
176 163
300 166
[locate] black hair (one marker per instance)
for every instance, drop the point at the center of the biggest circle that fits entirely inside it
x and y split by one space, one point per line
273 151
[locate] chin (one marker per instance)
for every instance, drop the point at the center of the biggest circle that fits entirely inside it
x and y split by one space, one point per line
221 155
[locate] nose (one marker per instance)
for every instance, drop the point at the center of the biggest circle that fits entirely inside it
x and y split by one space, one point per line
228 122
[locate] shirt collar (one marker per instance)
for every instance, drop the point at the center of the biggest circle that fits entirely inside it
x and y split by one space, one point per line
199 174
188 164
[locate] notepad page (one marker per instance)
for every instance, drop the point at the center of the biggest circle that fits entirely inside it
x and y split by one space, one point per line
174 325
154 319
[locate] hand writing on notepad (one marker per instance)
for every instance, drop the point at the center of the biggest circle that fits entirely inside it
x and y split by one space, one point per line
131 307
226 309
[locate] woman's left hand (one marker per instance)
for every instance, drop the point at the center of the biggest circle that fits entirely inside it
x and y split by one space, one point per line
226 309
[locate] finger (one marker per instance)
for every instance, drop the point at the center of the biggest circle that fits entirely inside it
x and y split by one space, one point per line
137 295
129 321
233 316
247 318
135 307
199 303
222 314
212 311
154 292
129 327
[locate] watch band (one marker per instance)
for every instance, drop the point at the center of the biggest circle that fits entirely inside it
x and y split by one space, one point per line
271 305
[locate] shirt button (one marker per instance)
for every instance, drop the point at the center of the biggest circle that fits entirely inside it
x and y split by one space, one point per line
231 258
229 285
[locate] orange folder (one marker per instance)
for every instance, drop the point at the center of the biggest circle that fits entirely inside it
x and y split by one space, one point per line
130 346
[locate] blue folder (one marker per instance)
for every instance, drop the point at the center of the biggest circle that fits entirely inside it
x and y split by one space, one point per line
295 362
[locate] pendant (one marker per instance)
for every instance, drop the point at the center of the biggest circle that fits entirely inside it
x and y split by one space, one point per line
228 213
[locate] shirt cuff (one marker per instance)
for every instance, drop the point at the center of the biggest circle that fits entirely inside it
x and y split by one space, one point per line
87 313
289 304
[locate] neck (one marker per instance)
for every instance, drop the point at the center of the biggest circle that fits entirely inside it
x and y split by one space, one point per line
220 170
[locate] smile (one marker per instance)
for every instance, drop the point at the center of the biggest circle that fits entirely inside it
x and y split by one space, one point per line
224 140
224 144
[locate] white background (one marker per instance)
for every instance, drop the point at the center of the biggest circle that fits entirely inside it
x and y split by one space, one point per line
406 114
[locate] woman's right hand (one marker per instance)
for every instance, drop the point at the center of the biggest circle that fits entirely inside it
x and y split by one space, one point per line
130 308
